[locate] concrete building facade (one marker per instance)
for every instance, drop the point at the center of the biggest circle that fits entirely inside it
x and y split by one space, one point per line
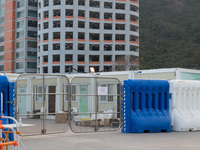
18 36
74 35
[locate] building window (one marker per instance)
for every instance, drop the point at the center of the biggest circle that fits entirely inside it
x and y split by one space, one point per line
106 98
20 44
68 46
81 47
108 26
120 58
107 47
20 24
45 58
45 69
39 89
19 65
20 14
119 47
20 3
46 3
1 58
39 5
68 69
107 68
94 25
39 16
94 36
108 5
94 3
134 48
107 15
81 2
46 25
133 28
133 8
94 47
33 3
2 29
133 18
1 67
32 23
69 12
69 2
133 38
107 36
1 48
56 24
56 13
120 26
56 2
94 14
120 16
19 55
45 47
2 2
81 35
56 69
46 14
68 35
32 34
120 6
56 46
69 24
32 55
73 91
56 58
1 38
56 35
81 13
20 34
81 24
32 13
32 44
108 58
32 65
2 20
45 36
68 57
120 37
94 58
81 57
81 69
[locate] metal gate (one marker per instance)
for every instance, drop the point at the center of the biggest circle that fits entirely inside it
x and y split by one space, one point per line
51 104
95 104
42 103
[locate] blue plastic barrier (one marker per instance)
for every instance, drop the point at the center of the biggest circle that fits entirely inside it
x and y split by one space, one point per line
7 98
11 101
145 106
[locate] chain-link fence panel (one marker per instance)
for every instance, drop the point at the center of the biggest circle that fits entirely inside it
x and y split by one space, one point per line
42 103
95 104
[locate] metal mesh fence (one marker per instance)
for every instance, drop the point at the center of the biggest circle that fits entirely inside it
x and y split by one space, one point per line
48 103
98 104
42 103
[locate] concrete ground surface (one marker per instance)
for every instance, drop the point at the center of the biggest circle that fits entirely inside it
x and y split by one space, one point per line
114 141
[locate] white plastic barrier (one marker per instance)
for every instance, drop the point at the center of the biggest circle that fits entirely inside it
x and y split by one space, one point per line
185 105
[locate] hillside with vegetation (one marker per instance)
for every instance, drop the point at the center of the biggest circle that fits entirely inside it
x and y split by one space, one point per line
169 34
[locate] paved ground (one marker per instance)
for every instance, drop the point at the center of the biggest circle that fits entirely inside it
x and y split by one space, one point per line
114 141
